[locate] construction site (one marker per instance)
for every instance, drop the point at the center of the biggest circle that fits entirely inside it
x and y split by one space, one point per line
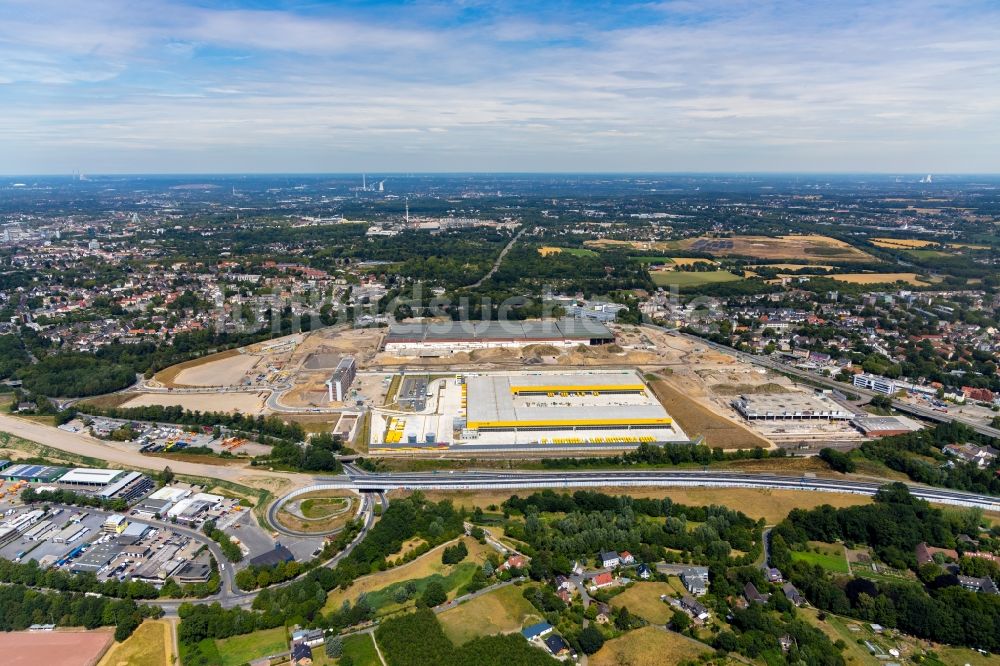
540 408
433 386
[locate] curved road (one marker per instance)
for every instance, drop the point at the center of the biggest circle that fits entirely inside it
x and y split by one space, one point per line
664 478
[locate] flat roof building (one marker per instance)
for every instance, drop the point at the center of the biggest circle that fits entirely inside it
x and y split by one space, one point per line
885 426
340 381
91 478
790 406
409 338
562 401
34 473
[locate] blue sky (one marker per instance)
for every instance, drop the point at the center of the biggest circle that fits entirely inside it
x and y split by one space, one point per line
111 86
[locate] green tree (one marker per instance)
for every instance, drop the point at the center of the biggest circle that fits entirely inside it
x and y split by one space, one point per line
591 640
434 595
680 621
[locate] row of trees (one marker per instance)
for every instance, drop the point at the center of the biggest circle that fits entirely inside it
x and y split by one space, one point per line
31 575
271 427
61 496
228 546
22 606
670 453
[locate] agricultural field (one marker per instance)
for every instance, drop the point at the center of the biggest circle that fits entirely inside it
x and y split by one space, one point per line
901 243
830 556
501 611
575 251
649 646
149 645
689 279
696 419
780 248
238 650
796 267
880 278
643 599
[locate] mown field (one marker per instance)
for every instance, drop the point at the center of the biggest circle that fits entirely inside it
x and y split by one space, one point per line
238 650
643 599
649 646
689 279
499 612
830 556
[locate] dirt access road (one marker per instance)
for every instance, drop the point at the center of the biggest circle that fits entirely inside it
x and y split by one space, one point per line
121 454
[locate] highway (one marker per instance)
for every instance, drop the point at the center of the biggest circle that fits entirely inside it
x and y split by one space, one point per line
778 366
484 480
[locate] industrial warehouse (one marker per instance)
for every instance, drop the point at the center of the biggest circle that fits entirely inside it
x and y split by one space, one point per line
791 406
448 337
611 408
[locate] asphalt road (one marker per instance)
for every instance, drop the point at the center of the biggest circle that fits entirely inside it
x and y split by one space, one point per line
666 478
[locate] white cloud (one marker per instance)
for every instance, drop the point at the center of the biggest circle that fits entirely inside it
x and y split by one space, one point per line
852 88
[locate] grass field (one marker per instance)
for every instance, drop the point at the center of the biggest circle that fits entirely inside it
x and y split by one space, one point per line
499 612
643 599
880 278
239 650
423 570
696 419
324 511
649 646
321 507
149 645
927 254
831 556
688 279
653 260
359 647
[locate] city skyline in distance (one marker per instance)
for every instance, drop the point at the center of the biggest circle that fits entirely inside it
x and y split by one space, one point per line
675 87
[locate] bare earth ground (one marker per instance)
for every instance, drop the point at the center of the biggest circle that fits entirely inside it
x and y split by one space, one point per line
227 371
54 648
794 248
697 419
247 403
